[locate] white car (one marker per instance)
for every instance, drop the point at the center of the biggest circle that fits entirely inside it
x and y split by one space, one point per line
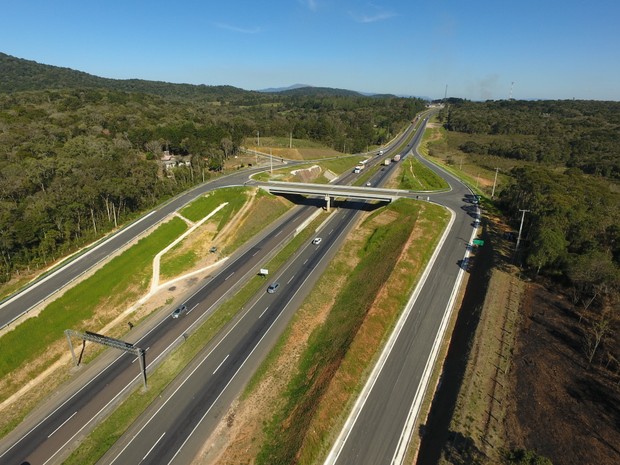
317 240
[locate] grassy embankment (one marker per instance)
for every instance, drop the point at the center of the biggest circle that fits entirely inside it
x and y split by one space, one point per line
417 177
335 165
328 353
39 342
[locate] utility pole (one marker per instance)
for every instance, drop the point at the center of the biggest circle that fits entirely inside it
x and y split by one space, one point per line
445 94
271 160
494 182
290 141
258 138
520 229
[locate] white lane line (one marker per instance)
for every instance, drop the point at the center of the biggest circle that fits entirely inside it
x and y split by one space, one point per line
306 261
227 277
226 387
331 231
255 253
156 442
289 281
278 233
190 310
220 365
63 424
263 312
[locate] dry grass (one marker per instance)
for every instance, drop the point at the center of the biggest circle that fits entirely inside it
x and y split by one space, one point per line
480 412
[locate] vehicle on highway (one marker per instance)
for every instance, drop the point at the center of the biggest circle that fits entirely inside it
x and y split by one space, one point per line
273 288
368 184
179 311
316 240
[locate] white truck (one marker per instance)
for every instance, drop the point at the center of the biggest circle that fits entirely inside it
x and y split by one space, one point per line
359 168
396 157
386 161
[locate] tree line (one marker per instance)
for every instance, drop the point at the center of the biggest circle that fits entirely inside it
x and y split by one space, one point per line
77 162
566 177
574 133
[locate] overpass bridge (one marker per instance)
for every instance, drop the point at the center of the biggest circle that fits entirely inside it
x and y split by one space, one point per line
327 191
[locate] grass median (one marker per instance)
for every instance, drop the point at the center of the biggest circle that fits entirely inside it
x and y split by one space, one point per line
288 432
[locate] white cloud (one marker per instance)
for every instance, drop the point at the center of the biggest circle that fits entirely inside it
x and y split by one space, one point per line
241 30
378 14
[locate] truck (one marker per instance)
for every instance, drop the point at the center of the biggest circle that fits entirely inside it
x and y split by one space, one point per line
380 152
396 157
386 161
359 168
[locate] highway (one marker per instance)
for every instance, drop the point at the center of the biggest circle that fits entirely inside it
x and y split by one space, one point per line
51 433
184 416
380 426
51 437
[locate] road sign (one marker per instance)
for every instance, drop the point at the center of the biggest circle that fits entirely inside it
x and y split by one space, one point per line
478 242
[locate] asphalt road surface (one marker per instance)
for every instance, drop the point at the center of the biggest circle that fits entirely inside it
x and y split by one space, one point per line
380 427
51 437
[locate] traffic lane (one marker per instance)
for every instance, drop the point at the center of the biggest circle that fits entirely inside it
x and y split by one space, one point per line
240 341
377 431
194 398
119 373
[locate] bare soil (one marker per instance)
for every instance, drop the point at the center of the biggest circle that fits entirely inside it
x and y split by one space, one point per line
560 407
539 395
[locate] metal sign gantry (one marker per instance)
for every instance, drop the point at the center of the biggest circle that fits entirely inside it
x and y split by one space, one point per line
106 341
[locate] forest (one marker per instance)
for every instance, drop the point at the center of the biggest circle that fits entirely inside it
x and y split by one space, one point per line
566 180
80 155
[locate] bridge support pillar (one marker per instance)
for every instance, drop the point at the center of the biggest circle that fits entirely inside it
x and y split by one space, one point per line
327 202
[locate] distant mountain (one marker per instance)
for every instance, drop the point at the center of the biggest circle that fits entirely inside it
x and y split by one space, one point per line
274 90
17 74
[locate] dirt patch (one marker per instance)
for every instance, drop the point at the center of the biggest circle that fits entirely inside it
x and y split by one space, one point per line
560 408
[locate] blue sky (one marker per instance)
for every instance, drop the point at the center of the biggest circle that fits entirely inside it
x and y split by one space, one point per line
558 49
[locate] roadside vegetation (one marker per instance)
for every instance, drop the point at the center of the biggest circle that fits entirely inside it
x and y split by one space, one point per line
86 155
417 177
97 301
38 342
556 160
